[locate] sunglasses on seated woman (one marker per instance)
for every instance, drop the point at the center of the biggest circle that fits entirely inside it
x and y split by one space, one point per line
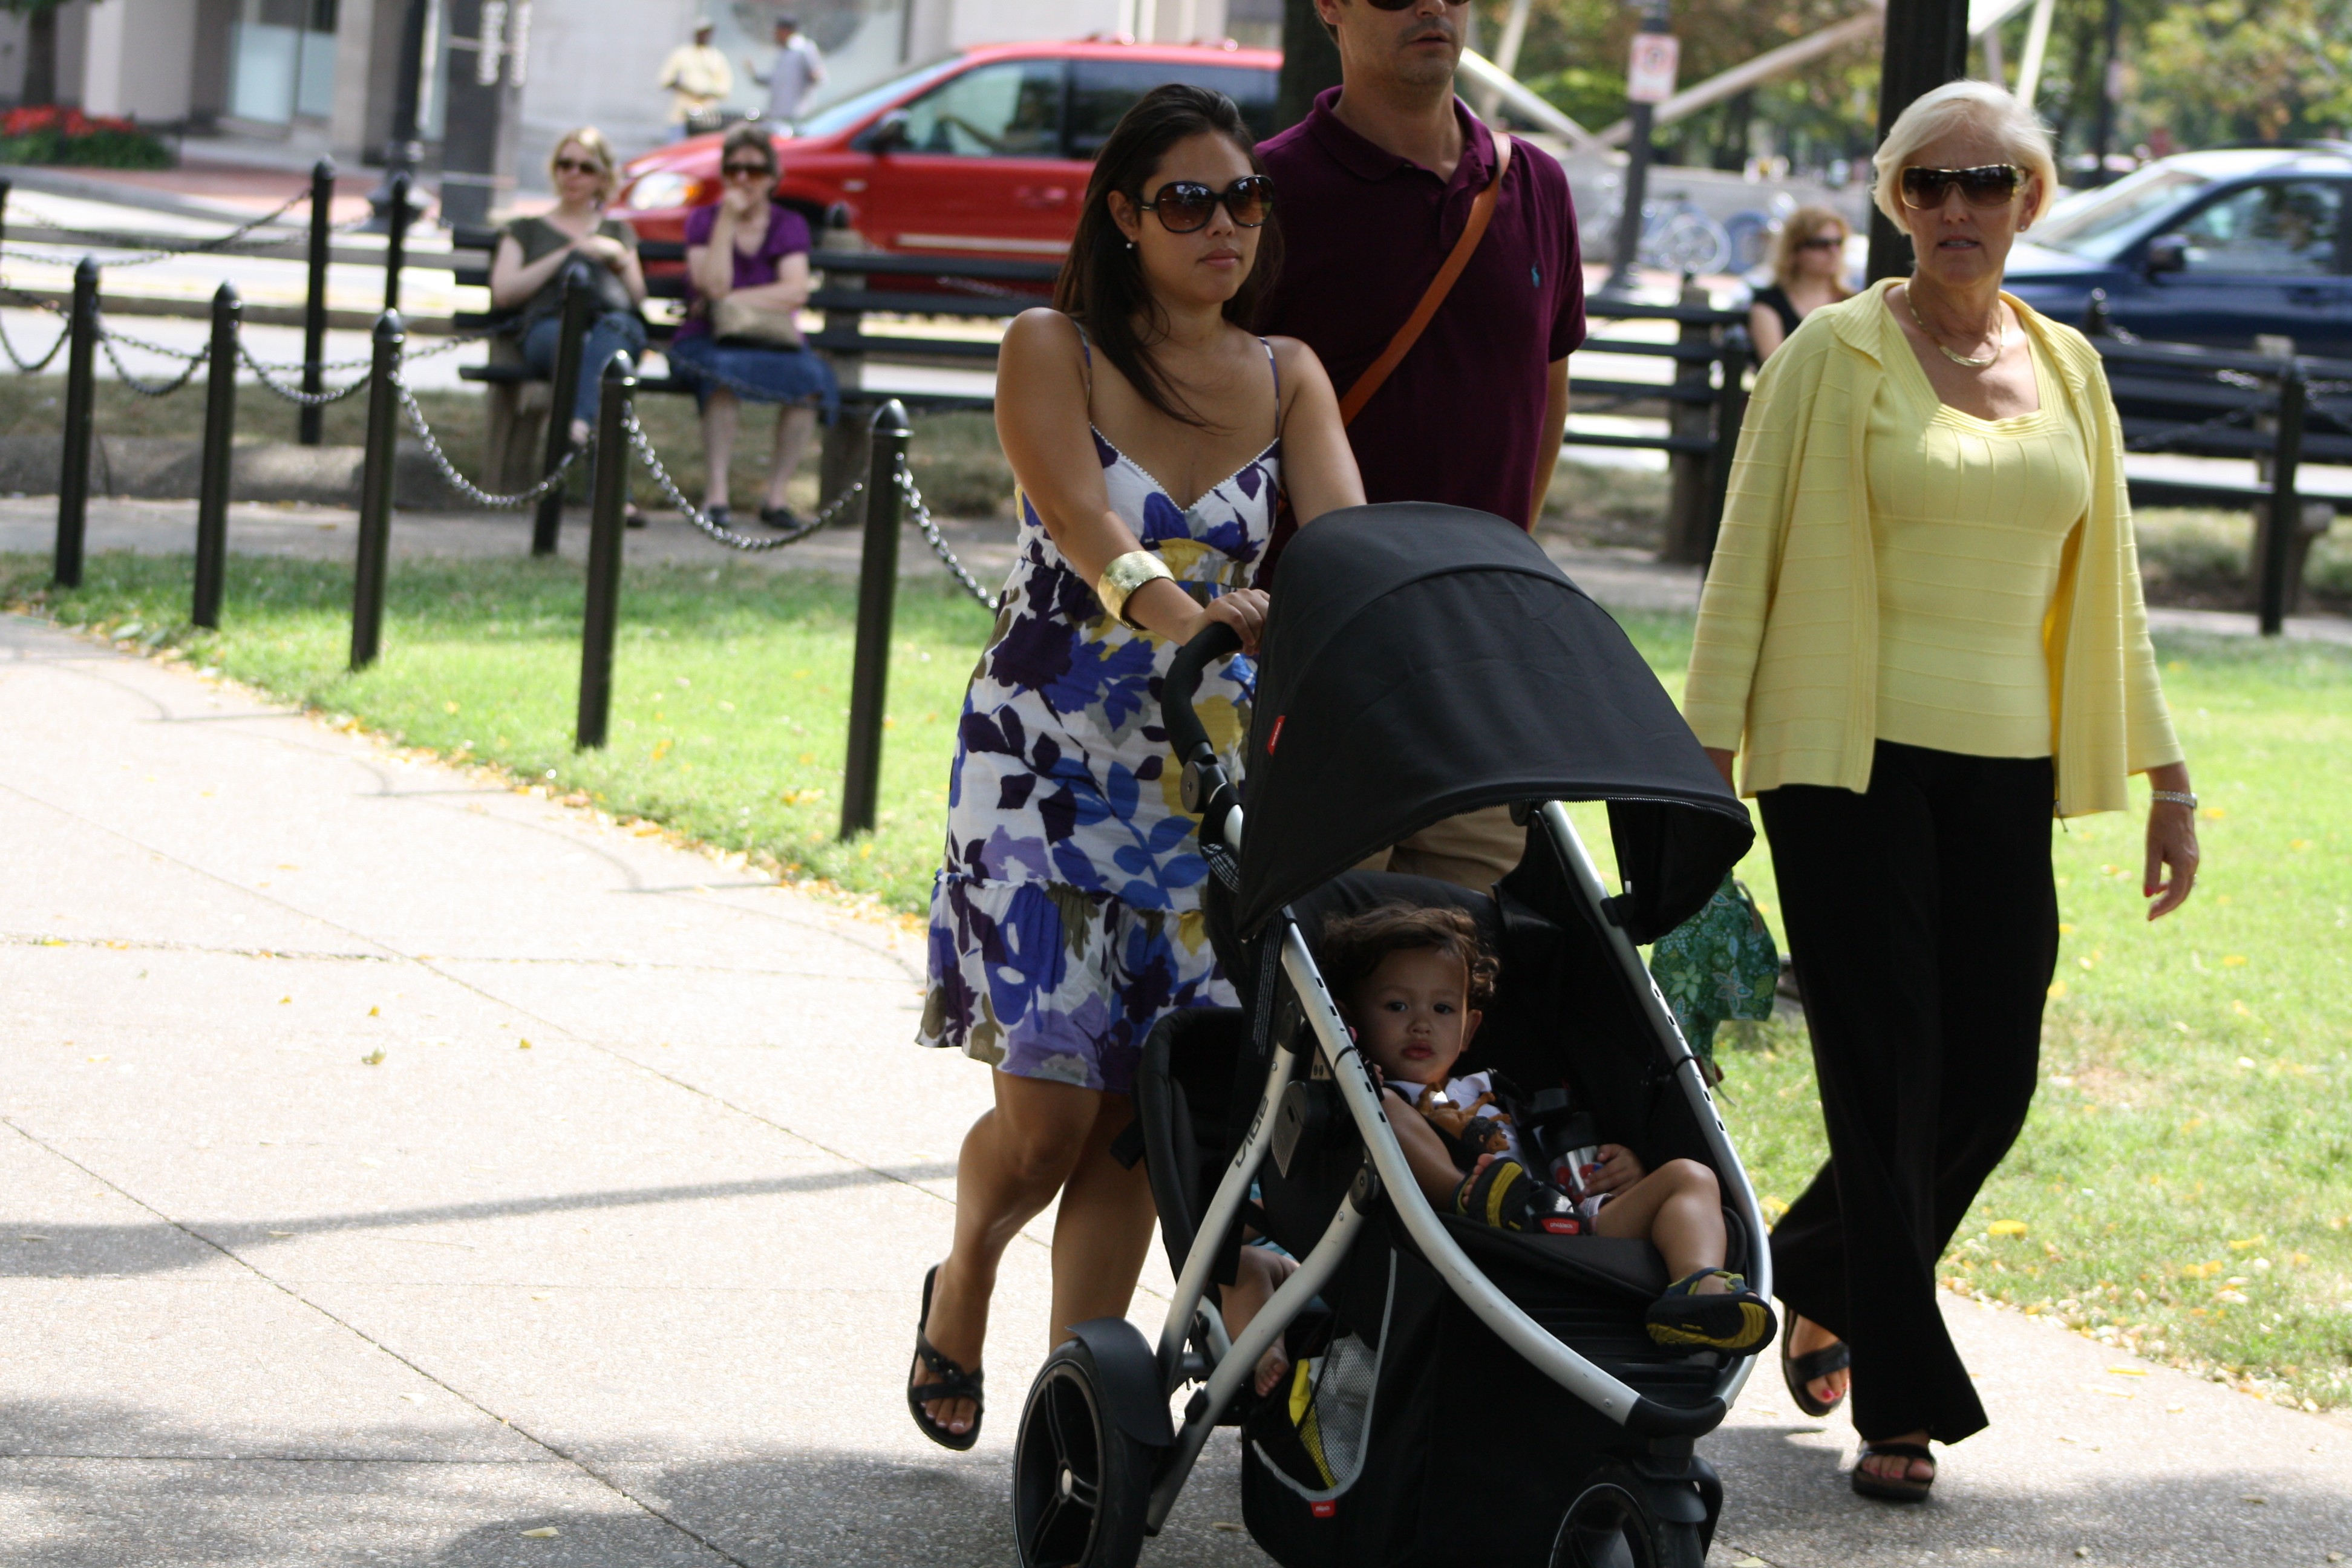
1990 185
745 171
1185 206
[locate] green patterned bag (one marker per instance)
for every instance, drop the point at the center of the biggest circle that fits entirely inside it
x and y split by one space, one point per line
1719 964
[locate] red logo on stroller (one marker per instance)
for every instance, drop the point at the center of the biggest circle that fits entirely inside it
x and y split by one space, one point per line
1275 738
1563 1225
1323 1510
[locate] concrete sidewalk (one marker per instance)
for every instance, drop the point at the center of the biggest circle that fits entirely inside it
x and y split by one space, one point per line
306 1257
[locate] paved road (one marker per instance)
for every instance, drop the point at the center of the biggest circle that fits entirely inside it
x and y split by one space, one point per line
305 1257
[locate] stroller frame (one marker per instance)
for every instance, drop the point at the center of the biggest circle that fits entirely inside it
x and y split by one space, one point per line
1099 1462
1227 1363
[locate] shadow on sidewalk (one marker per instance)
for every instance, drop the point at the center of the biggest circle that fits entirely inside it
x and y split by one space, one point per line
88 1251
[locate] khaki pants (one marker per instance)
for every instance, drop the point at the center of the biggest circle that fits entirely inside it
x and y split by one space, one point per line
1473 850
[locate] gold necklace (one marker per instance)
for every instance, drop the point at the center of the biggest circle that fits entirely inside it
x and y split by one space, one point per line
2001 337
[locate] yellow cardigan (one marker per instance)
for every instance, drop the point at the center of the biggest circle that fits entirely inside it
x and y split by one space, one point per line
1785 652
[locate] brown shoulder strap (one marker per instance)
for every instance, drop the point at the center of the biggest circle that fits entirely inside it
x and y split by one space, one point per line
1482 209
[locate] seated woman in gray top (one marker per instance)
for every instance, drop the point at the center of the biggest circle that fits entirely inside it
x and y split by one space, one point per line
527 270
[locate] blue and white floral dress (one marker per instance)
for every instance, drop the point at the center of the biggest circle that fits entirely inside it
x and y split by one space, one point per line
1067 919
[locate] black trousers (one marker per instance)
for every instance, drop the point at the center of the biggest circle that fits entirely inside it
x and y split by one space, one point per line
1923 922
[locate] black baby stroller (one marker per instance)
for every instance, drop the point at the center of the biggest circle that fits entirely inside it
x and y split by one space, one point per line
1465 1394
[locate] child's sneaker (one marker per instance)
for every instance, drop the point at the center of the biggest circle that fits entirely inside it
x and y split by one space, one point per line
1735 1320
1500 1193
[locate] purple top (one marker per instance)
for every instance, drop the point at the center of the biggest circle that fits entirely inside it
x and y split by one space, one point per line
1363 231
787 232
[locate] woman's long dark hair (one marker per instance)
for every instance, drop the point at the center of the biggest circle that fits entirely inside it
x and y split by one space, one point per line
1102 283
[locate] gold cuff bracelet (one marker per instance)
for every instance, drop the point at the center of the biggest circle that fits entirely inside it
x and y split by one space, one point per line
1123 576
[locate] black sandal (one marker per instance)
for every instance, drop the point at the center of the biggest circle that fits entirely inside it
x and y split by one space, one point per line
1797 1371
1893 1488
950 1380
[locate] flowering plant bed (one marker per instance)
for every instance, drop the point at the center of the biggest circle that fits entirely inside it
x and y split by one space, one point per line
51 134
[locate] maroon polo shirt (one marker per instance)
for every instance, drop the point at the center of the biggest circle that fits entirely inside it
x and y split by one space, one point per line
1460 420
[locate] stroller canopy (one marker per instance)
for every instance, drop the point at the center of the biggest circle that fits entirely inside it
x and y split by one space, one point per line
1420 661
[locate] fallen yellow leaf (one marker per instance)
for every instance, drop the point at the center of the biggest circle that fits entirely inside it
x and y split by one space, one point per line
2006 1228
2128 1371
102 1058
376 1011
545 1532
523 1044
373 1058
2234 960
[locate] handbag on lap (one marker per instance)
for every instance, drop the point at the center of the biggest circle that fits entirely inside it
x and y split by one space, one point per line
737 324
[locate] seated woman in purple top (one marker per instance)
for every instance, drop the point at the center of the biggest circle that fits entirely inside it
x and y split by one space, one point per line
750 251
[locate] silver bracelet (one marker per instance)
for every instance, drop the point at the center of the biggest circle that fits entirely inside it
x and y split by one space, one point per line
2174 798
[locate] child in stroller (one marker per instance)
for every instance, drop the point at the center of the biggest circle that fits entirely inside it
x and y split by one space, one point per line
1410 981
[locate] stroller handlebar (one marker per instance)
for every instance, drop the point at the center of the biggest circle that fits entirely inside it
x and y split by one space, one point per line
1185 732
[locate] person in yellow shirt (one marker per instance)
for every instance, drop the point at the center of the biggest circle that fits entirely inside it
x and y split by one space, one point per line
1922 626
698 78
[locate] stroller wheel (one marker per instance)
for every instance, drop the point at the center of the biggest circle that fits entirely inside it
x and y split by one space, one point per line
1080 1483
1610 1525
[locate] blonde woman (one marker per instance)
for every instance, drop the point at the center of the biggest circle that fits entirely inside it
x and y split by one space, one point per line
1922 626
527 270
1808 272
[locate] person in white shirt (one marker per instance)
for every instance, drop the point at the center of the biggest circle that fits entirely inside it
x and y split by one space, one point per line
793 77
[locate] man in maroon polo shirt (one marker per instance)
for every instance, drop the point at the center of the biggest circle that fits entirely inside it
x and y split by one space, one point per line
1373 189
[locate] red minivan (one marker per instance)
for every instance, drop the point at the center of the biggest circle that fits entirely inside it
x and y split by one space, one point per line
984 154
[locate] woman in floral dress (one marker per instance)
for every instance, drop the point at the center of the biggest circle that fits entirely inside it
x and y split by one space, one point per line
1067 919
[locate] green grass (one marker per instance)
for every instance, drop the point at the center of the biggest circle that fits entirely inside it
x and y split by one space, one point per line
2184 1185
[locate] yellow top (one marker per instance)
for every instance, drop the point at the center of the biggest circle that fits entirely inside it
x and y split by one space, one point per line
1787 651
1968 520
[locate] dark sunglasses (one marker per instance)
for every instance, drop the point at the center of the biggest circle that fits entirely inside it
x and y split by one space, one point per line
575 166
1820 242
751 171
1993 186
1186 206
1400 4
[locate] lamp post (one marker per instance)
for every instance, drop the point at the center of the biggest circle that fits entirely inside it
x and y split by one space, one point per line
1649 82
1927 46
403 152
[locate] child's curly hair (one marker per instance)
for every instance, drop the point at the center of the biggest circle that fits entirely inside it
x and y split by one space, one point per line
1353 946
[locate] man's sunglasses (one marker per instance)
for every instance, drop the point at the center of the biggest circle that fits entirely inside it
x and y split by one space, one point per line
1993 186
577 166
1185 206
745 171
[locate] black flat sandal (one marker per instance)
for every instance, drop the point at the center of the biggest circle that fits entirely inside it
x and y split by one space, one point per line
1797 1371
950 1380
1893 1488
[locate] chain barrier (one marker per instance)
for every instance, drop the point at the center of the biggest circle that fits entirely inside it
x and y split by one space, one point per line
294 393
106 340
2155 440
719 532
459 482
913 496
65 336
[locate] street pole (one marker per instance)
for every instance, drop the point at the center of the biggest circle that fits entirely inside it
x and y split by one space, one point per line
2110 90
403 151
1927 46
1643 112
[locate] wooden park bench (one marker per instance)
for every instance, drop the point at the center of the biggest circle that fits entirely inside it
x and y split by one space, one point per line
2279 410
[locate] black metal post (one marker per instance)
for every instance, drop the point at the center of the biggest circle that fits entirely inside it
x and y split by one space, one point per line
5 187
402 153
877 593
607 518
1731 413
311 424
2285 514
1927 46
547 524
1622 273
212 488
375 493
81 378
395 253
2110 65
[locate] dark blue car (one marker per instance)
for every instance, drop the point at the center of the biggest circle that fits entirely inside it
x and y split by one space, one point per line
2208 248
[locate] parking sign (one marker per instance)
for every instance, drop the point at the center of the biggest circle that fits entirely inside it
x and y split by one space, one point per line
1651 76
